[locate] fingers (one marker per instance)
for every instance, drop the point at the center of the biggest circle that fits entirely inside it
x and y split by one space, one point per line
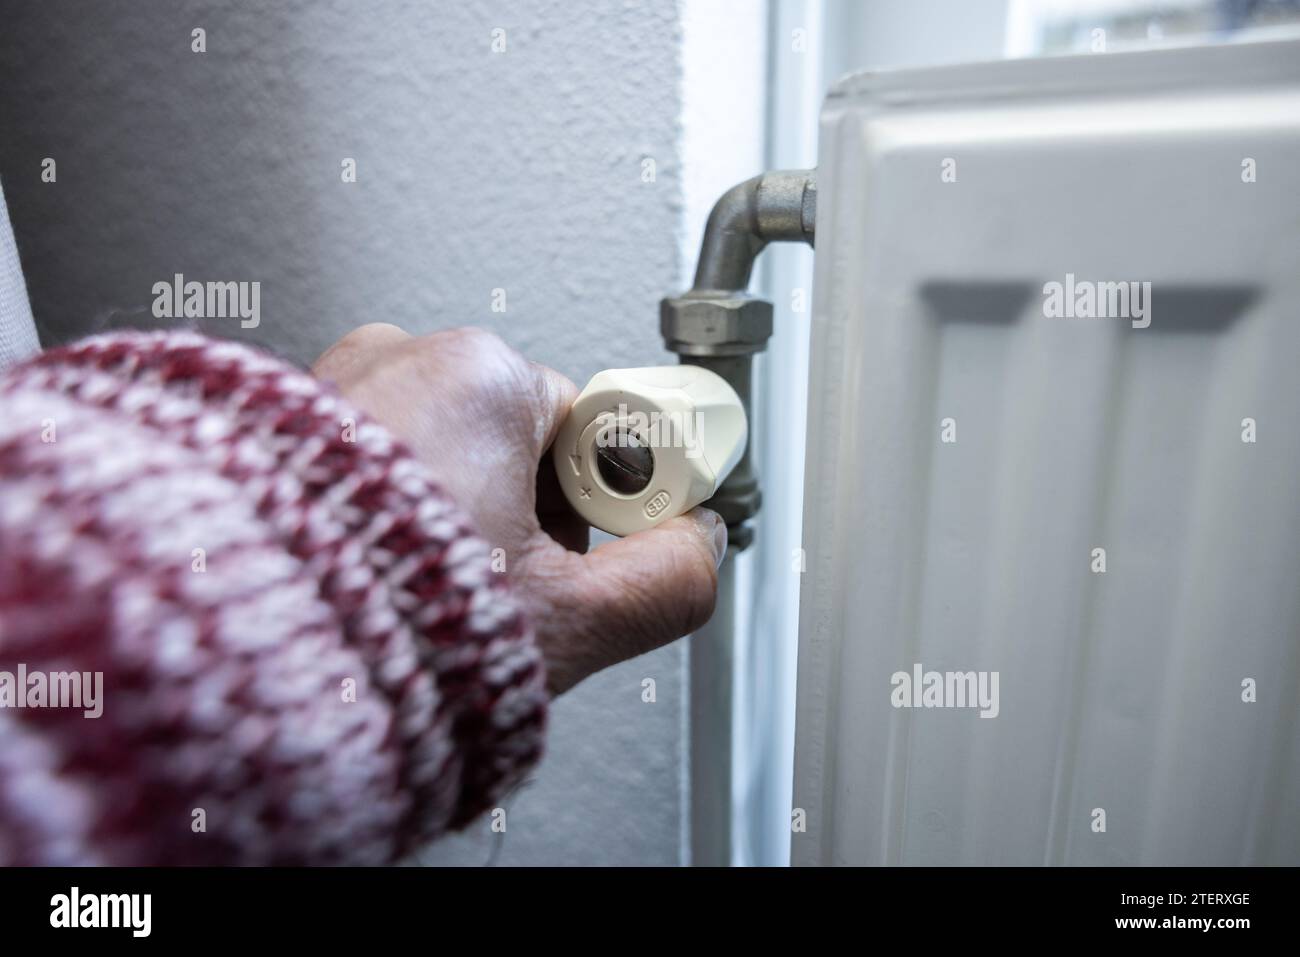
638 593
480 370
555 397
481 360
556 394
352 355
557 517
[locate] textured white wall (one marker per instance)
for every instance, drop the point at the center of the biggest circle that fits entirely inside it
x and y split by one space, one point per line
476 171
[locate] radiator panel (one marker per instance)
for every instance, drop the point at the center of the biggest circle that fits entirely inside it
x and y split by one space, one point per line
1122 690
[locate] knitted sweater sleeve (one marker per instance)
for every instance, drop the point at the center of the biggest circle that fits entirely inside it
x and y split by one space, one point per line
302 652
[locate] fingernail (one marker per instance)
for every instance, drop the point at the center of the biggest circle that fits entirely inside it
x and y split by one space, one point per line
713 530
719 542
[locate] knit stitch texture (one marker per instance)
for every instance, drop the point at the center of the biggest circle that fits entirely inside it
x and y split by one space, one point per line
299 634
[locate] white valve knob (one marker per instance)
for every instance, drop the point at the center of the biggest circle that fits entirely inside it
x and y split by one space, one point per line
640 446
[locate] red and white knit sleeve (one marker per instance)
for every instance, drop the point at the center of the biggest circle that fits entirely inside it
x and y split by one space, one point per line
305 654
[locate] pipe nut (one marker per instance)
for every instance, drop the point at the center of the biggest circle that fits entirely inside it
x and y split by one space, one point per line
715 325
737 505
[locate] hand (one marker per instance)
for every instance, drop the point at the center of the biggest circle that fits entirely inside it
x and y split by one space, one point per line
482 417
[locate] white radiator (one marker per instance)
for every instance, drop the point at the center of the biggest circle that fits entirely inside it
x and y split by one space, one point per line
970 449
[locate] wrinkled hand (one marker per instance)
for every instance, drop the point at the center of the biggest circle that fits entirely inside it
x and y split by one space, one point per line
481 416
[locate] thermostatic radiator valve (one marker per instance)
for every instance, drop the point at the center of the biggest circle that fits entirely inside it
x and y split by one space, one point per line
641 446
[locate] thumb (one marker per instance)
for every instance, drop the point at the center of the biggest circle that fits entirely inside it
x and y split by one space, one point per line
653 586
554 396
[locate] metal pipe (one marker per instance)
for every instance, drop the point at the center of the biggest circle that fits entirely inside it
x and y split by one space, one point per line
717 324
778 206
712 697
739 498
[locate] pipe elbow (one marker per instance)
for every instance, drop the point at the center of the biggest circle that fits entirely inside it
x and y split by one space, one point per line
772 207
